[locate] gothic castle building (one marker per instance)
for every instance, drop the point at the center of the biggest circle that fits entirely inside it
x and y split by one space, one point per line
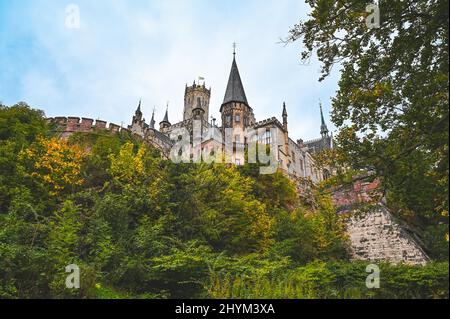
238 120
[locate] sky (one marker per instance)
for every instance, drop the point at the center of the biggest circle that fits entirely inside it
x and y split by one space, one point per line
124 51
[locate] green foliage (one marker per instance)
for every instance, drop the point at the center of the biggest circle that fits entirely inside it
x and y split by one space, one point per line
140 227
336 280
19 127
391 108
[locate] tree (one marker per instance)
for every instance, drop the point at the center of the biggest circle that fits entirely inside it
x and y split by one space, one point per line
392 104
19 127
54 163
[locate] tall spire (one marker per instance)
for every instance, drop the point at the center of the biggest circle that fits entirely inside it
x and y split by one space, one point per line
323 127
284 110
166 117
138 113
235 90
152 121
285 117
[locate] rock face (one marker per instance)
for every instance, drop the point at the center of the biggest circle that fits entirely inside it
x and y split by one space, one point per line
375 234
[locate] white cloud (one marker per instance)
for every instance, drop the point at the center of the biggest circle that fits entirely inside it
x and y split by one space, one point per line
125 51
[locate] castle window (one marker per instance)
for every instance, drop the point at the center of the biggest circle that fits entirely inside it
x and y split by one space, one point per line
293 157
268 137
238 118
228 120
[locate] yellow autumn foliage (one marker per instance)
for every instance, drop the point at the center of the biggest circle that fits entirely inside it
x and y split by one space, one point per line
54 162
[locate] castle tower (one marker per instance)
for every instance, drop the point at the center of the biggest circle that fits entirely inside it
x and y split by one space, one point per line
236 112
165 124
138 123
196 97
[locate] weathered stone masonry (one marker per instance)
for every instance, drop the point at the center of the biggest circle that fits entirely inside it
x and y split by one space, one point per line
375 234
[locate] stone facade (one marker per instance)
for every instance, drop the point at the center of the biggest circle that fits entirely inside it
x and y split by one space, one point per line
375 234
237 116
292 157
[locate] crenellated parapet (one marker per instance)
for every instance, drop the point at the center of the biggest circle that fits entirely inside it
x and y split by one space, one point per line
67 126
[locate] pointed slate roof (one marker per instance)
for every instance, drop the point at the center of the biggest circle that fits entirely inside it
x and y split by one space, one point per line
166 117
138 110
235 90
152 121
323 126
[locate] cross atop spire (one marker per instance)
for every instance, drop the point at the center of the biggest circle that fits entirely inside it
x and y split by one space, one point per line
235 90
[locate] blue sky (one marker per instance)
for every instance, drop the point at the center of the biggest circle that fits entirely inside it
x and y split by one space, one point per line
127 50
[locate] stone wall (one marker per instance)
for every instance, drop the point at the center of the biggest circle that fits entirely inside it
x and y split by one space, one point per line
375 234
67 126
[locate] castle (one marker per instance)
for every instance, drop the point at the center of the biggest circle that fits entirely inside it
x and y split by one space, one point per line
293 157
238 124
375 236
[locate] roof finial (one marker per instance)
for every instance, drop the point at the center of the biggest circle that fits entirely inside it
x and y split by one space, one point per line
234 48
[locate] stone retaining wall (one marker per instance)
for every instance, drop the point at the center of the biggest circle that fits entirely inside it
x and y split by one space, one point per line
375 234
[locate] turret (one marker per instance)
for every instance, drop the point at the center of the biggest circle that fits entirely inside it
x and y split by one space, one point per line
196 96
285 117
235 109
165 124
285 128
138 114
152 121
236 114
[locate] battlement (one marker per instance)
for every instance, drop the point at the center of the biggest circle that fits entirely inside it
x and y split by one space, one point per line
69 125
272 120
198 88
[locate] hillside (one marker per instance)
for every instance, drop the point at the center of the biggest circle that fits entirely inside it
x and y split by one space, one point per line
139 226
